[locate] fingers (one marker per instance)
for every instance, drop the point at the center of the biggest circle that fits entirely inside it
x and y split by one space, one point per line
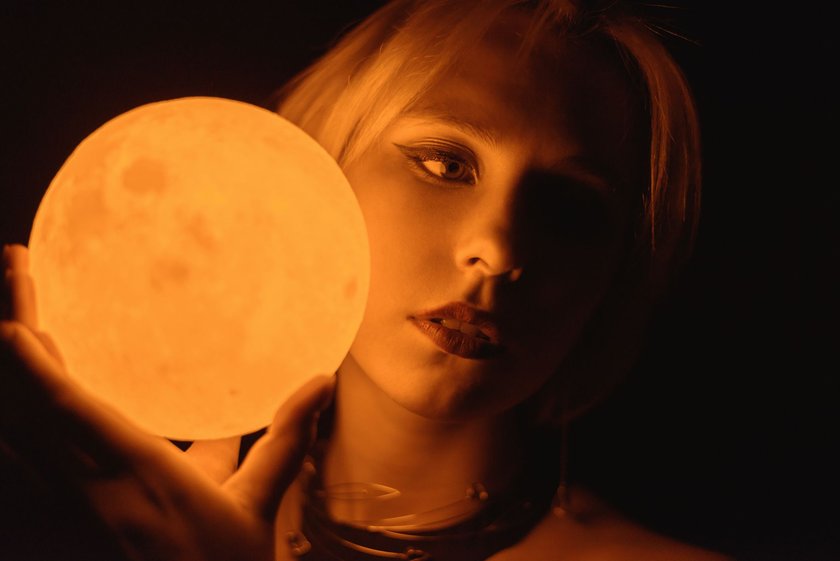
275 459
29 372
36 375
20 289
31 421
19 302
40 402
216 458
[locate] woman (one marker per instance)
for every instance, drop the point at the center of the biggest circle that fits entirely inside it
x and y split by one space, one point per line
529 176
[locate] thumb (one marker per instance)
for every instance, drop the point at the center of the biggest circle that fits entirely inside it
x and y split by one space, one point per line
274 461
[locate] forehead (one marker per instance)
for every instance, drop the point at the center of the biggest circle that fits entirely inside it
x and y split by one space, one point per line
569 98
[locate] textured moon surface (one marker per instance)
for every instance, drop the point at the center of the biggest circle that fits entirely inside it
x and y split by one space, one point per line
197 260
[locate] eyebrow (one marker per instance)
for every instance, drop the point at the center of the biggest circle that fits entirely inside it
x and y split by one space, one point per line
584 171
578 168
485 133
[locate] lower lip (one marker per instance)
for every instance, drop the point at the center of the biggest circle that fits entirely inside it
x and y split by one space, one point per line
457 343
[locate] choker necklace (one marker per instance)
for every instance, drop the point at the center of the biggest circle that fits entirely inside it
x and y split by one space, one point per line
471 528
446 515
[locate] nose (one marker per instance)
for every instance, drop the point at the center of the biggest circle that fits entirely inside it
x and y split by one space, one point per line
488 241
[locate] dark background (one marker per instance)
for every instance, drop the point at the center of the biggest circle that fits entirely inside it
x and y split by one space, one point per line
725 433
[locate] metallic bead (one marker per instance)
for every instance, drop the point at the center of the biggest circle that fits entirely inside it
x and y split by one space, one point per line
477 491
298 544
562 501
414 554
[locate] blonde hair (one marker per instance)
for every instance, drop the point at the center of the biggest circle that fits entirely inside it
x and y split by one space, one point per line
386 64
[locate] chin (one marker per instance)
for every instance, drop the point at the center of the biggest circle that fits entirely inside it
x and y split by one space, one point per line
451 406
440 386
451 395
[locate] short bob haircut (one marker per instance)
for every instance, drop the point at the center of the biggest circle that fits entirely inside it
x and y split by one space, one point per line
384 66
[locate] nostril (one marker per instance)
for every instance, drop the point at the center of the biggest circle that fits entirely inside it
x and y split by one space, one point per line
502 270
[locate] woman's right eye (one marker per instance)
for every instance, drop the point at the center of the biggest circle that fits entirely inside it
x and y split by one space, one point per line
441 163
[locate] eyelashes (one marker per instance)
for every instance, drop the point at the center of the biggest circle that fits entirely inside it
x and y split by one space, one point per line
442 162
557 206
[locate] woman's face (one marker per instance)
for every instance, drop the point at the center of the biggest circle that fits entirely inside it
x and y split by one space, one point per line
496 210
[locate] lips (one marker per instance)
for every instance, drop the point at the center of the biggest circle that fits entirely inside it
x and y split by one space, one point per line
461 330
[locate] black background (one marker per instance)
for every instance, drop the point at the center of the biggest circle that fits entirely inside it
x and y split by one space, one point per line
724 434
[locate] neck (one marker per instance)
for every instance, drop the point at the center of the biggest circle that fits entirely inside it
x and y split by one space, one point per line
430 462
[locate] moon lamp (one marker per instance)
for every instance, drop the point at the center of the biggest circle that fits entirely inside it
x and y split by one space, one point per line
197 260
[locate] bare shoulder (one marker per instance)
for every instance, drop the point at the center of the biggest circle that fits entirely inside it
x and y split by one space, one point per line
591 531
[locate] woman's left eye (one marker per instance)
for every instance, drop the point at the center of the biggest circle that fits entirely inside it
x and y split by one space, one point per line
441 164
447 169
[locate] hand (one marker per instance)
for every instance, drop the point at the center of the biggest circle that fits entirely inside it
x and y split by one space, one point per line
156 502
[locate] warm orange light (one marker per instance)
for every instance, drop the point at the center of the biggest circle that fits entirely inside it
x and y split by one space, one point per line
196 260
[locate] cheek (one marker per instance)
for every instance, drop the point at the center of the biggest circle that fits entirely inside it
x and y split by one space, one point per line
398 247
391 231
554 305
408 244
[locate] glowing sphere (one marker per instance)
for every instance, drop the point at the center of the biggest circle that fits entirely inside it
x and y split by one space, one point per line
196 260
